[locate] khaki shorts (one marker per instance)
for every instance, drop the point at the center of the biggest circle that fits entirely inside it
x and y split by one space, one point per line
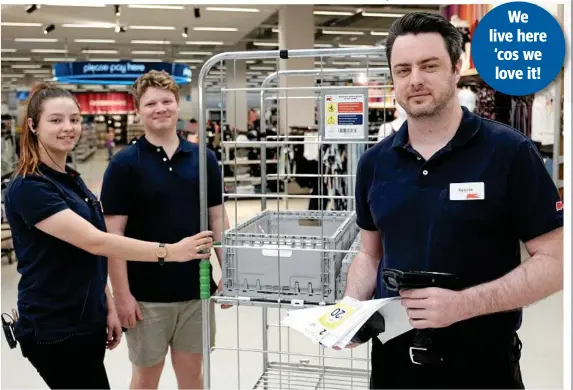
178 324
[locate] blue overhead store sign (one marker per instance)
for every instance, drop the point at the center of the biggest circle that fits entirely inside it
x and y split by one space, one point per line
121 72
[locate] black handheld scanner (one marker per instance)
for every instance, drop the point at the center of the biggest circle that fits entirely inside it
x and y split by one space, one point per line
396 280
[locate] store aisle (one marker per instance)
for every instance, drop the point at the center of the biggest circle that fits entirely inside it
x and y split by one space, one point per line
542 333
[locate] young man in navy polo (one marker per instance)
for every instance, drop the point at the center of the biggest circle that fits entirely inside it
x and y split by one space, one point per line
452 192
151 189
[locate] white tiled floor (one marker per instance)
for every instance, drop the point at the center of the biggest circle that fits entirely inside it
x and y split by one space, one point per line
542 333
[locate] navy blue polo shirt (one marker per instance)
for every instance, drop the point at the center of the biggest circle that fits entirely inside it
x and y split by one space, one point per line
424 228
160 197
62 288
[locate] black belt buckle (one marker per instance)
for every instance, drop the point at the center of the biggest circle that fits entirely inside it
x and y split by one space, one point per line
421 356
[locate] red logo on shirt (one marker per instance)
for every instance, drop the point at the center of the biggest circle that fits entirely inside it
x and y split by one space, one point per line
559 206
472 196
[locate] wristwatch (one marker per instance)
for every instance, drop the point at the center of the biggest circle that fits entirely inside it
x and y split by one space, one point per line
161 254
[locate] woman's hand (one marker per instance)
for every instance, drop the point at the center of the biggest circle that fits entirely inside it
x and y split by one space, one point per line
191 248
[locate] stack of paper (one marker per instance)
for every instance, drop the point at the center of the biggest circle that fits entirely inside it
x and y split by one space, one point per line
336 325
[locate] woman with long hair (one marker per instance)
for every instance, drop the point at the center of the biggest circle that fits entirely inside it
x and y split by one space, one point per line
67 317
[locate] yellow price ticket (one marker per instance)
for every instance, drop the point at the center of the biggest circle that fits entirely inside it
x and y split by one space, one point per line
333 318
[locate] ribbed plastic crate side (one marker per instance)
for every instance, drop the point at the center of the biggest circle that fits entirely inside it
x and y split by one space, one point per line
272 267
345 266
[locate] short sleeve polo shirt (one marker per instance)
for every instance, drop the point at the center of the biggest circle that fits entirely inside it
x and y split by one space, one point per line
428 223
160 197
62 288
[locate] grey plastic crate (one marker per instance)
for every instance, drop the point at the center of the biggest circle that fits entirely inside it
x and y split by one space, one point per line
278 263
346 262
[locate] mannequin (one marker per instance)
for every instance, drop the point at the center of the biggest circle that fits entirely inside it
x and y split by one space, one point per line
387 129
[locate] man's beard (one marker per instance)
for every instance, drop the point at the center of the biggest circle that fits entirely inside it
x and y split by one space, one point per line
434 109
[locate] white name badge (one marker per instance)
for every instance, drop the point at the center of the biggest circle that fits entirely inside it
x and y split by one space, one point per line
467 191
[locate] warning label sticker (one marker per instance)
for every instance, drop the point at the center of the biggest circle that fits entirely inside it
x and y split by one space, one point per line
344 116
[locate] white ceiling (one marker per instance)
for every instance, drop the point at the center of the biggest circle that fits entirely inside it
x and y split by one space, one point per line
167 42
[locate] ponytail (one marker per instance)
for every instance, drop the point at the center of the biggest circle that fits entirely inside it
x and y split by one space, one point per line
29 145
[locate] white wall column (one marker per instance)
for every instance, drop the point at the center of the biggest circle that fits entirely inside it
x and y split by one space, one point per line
296 31
236 101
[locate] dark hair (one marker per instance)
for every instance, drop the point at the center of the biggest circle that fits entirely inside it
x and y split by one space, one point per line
423 22
29 148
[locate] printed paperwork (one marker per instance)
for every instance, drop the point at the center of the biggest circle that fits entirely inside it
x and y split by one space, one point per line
335 325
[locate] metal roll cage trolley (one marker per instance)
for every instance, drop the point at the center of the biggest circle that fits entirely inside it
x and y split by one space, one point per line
315 244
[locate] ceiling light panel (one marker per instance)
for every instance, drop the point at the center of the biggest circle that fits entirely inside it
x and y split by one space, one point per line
49 51
151 28
26 66
35 71
44 40
147 52
18 24
262 67
146 60
89 25
215 29
99 51
334 13
381 15
94 40
266 44
214 43
195 53
378 33
152 6
105 59
7 50
78 5
342 32
191 61
231 9
322 45
147 42
59 59
16 59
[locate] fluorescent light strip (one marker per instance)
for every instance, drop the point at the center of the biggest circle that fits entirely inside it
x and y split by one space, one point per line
267 44
16 59
348 45
322 45
26 66
342 32
89 25
59 59
195 53
105 59
77 5
99 51
94 40
35 71
45 40
215 29
151 28
18 24
334 13
381 15
145 42
18 75
191 61
215 43
146 60
345 63
49 51
229 9
262 68
378 33
7 50
152 6
147 52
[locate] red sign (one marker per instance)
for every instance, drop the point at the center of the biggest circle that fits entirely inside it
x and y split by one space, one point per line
354 108
94 103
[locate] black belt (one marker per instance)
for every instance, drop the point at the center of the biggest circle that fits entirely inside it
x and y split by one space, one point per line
426 351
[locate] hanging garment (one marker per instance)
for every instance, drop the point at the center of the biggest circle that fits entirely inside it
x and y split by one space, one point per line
543 115
467 98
